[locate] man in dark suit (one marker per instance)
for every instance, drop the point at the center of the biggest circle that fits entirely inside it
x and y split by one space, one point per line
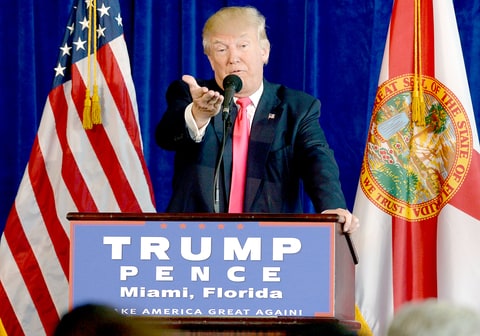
287 149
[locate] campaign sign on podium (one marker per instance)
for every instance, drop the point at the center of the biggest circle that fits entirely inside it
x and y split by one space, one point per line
204 267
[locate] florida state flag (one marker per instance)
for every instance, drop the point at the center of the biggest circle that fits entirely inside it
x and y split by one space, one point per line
419 190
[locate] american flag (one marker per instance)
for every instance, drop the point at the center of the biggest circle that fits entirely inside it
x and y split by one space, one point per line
72 168
419 195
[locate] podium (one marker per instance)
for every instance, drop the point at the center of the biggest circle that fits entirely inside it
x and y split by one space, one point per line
211 274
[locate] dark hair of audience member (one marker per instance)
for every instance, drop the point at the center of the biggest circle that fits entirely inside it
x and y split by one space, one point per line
95 320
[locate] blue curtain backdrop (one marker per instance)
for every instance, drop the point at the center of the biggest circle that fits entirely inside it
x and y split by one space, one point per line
330 49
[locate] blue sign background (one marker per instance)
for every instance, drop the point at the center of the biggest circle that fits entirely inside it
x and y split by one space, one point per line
306 281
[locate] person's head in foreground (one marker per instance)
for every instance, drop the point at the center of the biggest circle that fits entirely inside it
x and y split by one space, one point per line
435 318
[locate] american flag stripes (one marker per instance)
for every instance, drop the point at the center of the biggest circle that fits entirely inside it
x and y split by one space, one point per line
72 169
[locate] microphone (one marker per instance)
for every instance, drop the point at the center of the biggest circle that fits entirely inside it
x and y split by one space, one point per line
231 85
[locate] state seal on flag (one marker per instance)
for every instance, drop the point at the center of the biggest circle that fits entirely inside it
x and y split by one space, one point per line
411 171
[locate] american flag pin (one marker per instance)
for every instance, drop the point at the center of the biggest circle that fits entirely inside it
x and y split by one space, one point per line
271 116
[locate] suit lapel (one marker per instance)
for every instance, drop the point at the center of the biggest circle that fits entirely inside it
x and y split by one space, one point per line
267 116
265 122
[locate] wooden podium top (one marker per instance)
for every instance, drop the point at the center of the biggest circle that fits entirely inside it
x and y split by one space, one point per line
150 216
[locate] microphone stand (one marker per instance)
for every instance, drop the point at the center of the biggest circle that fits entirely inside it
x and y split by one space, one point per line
231 84
216 186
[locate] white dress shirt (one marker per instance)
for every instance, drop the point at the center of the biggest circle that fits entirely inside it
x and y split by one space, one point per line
197 133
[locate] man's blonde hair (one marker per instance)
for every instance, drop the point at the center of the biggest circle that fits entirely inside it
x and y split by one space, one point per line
224 16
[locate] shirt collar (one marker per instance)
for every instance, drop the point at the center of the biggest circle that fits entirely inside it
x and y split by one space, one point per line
255 97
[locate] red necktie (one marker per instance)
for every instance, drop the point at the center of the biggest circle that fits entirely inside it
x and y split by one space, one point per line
241 134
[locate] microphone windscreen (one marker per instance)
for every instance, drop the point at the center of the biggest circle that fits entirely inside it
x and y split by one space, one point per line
232 81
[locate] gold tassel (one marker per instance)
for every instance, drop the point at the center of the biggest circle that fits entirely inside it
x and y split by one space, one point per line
96 109
87 111
87 106
421 100
421 109
415 101
421 103
92 113
418 100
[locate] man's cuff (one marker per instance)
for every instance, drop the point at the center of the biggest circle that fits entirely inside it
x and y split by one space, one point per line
195 133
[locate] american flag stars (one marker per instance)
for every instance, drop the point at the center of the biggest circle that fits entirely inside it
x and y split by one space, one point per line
75 41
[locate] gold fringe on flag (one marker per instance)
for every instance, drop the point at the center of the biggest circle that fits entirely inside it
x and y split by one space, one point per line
364 327
418 100
3 332
91 109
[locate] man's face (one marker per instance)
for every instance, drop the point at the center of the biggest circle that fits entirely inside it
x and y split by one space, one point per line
236 50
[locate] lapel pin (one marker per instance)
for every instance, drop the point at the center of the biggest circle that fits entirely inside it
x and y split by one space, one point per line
271 116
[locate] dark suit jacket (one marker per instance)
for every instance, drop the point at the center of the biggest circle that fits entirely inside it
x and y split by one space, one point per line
287 146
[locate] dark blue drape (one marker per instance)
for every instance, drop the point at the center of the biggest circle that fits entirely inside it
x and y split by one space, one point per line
331 49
